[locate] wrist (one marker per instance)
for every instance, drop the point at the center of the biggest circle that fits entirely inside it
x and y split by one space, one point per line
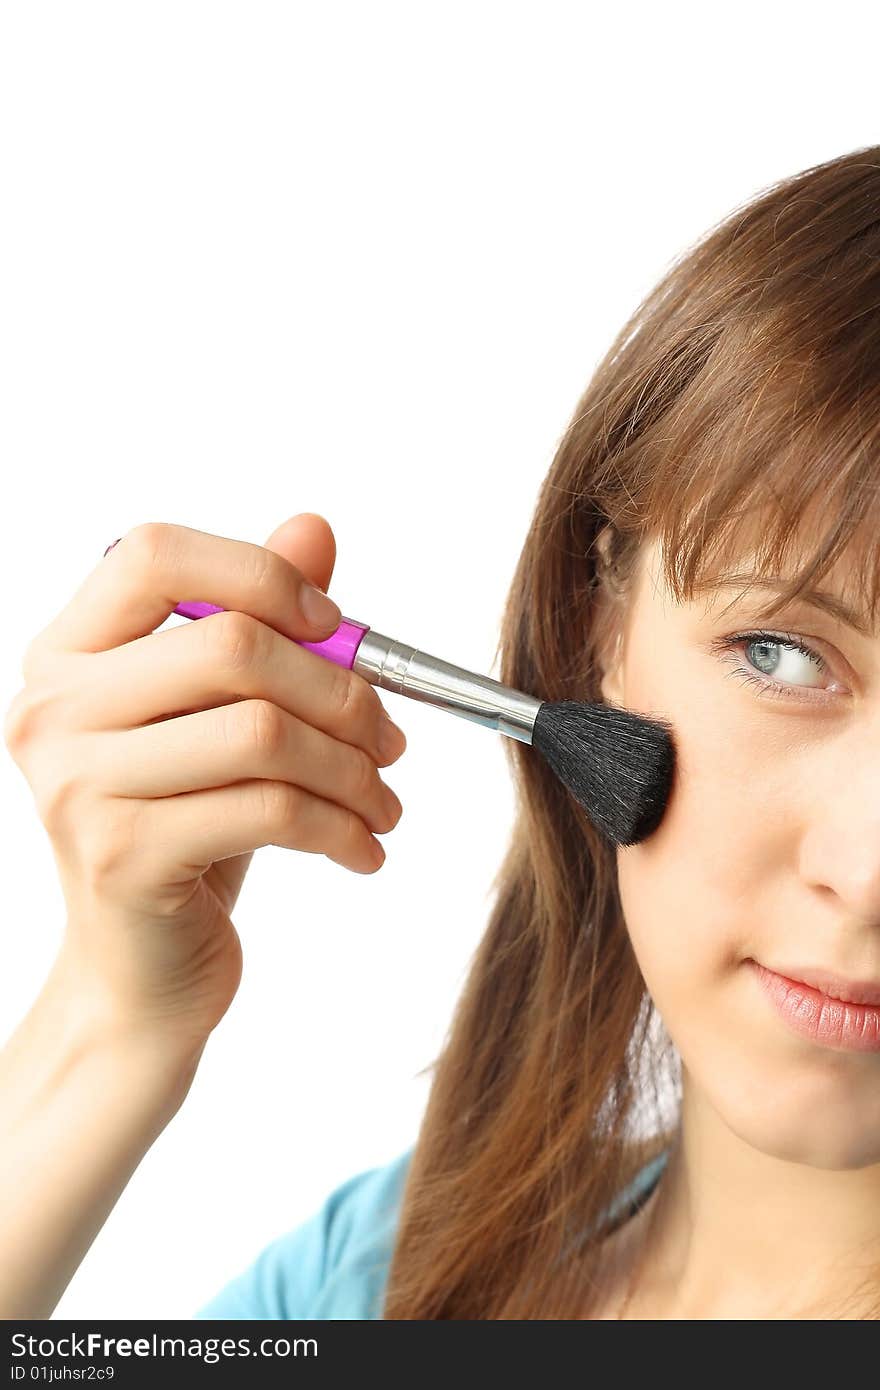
71 1026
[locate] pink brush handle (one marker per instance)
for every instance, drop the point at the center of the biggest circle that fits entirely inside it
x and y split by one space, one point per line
341 647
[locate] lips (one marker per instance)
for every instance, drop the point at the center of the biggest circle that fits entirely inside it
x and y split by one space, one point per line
834 986
820 1017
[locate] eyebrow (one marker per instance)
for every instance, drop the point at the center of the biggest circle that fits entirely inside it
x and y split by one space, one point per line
817 598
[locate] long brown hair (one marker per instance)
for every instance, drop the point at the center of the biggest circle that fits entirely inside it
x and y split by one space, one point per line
744 389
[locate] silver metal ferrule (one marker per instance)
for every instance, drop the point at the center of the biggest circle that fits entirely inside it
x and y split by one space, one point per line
395 666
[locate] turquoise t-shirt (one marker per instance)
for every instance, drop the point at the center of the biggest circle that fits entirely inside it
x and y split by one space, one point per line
335 1264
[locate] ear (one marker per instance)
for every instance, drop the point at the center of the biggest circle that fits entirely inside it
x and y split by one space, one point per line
608 624
609 648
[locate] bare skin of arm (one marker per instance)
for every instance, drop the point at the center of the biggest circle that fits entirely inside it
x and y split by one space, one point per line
79 1108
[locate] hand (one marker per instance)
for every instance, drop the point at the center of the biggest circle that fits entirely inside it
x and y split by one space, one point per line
159 761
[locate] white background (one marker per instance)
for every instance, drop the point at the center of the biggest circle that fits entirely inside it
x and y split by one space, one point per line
359 259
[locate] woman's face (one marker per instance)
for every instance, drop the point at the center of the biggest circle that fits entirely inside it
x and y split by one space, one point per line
769 850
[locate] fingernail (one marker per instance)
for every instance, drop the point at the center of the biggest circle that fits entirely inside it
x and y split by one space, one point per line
392 740
320 610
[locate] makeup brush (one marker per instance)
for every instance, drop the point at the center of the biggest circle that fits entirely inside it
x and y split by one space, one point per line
618 765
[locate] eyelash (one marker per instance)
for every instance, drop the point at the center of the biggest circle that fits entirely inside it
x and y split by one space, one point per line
767 688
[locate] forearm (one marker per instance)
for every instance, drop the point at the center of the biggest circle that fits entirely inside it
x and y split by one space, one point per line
79 1108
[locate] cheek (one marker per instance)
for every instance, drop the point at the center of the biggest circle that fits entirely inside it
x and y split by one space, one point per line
691 891
703 892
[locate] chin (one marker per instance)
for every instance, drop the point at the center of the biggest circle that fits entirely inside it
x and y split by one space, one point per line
821 1125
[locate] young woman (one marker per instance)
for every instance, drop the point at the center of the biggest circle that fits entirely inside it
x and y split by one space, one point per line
660 1094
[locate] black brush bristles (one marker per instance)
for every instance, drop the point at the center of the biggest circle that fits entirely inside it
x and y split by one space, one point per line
617 764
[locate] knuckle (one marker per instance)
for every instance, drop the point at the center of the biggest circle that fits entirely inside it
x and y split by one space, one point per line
233 638
268 570
32 708
18 722
353 830
112 841
58 796
355 698
362 771
282 803
149 543
267 727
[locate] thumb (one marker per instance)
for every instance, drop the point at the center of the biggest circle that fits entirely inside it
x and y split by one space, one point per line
307 541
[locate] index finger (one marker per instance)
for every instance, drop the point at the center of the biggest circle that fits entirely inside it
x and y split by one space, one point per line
157 565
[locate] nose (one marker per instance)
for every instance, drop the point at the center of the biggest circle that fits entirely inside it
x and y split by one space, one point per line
840 846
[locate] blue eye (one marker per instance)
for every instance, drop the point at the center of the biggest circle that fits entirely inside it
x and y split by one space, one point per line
766 643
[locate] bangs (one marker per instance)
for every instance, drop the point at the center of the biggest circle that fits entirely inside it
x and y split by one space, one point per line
781 486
